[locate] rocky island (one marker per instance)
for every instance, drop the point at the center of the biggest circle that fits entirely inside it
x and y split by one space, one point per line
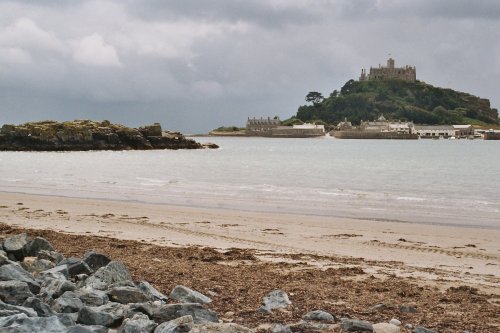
81 135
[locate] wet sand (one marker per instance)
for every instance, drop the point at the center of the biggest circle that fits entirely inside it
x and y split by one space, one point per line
429 252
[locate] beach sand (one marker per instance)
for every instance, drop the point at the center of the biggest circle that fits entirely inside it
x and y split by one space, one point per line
391 260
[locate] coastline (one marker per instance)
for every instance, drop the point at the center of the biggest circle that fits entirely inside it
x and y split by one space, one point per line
428 252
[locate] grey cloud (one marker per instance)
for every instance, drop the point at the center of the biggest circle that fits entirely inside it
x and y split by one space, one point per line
195 65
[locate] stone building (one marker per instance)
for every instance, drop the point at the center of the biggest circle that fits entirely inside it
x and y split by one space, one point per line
407 73
261 126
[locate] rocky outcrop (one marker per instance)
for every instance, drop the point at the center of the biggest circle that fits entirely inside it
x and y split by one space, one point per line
81 135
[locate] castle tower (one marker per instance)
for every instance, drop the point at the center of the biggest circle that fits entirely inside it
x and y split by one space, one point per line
390 63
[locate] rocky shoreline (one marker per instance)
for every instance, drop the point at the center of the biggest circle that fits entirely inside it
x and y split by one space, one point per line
83 135
43 291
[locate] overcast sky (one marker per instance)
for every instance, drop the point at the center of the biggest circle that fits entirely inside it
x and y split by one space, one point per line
194 65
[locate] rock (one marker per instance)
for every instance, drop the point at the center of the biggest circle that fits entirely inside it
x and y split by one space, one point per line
36 265
76 266
172 311
219 328
4 259
151 130
420 329
148 308
15 245
36 324
15 272
278 328
319 315
33 247
308 326
109 314
186 295
139 323
88 329
59 269
379 307
151 292
52 256
407 309
14 292
274 300
105 277
395 322
353 325
9 320
68 319
92 297
95 260
88 135
125 295
42 309
67 303
182 324
17 309
385 328
55 287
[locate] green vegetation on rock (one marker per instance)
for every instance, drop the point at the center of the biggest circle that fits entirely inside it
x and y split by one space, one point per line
228 129
417 101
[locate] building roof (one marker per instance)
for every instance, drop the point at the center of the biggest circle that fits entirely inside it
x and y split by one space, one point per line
434 127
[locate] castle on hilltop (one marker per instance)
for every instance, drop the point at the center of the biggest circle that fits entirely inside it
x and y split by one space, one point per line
407 73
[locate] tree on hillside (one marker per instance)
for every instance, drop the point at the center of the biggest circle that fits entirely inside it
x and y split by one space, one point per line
314 97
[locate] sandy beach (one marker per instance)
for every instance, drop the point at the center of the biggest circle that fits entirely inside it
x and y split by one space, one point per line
466 255
449 274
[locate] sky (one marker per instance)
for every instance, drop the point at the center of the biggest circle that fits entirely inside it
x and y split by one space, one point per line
194 65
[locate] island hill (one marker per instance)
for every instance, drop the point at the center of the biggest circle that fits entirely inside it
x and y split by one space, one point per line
391 91
82 135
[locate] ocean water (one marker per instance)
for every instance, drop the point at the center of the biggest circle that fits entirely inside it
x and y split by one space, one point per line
452 182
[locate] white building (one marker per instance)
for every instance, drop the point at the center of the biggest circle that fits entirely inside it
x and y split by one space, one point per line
435 131
310 126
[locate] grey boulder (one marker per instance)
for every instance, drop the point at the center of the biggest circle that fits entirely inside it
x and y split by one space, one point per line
274 300
353 325
88 329
319 315
35 324
113 273
151 292
55 287
95 260
125 295
53 256
17 309
33 247
14 246
182 324
15 272
139 323
41 308
169 312
187 295
69 302
92 297
14 292
76 266
105 315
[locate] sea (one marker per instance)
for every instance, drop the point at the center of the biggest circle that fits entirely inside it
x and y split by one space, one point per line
448 182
